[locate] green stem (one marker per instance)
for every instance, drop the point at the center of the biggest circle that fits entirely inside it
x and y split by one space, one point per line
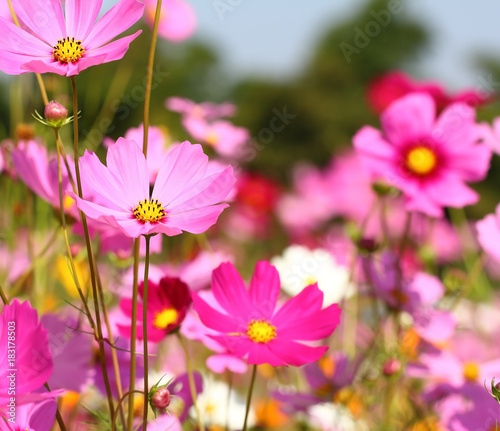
90 253
149 81
133 335
3 296
192 385
145 334
249 397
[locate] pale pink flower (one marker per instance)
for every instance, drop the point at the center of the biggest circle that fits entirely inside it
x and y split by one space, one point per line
177 19
206 110
184 196
68 42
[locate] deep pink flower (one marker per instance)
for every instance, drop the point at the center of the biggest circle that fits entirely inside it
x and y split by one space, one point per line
168 302
206 110
177 19
252 325
389 87
491 134
65 43
185 196
36 415
33 359
429 159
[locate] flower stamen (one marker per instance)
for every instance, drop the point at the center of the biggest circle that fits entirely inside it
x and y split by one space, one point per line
421 160
261 331
149 211
68 50
165 318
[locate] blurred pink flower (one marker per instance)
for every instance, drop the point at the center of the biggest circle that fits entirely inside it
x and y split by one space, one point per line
33 360
184 196
253 327
177 19
488 234
225 138
65 42
37 415
205 111
491 134
393 85
429 159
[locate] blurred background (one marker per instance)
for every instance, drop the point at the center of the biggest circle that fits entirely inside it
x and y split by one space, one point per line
313 60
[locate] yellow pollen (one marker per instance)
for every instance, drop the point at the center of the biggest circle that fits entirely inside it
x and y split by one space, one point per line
310 280
212 138
471 371
149 211
261 331
68 203
421 160
165 318
68 50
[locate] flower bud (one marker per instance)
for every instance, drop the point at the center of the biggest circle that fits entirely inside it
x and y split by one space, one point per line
161 399
391 367
55 114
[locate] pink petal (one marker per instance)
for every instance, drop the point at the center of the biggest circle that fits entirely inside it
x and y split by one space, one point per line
81 16
428 287
231 294
435 326
17 41
472 162
456 126
44 17
223 361
114 22
296 354
212 318
265 354
184 165
177 20
308 301
315 326
265 288
409 118
450 190
194 221
488 230
127 162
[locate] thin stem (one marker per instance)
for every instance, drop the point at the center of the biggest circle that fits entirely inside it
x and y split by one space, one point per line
5 300
192 385
120 401
58 413
145 334
149 82
133 334
249 398
90 253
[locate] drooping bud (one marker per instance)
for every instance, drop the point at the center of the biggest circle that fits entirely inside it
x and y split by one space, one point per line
55 114
391 367
161 399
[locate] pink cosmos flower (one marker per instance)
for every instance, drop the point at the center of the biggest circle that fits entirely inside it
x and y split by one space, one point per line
429 159
488 234
252 325
39 416
168 302
177 19
226 139
33 359
184 198
491 134
206 110
65 43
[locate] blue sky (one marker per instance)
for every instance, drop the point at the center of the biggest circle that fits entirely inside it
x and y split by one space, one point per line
274 37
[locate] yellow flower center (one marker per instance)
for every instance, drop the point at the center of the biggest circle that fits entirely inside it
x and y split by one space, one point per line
68 50
212 138
165 318
310 280
68 203
149 211
471 371
421 160
261 331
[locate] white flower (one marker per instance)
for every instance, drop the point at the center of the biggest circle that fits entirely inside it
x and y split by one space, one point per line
334 417
299 267
217 406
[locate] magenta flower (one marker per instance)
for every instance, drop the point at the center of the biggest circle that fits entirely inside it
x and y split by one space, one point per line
206 110
168 302
20 325
429 159
36 415
185 196
252 325
65 43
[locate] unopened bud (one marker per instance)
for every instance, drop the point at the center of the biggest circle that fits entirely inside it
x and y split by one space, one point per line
391 366
161 399
55 114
